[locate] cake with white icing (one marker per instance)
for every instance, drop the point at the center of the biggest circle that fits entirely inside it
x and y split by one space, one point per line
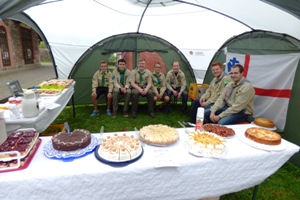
120 147
159 134
205 143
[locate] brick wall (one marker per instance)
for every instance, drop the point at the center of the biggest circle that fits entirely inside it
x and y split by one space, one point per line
13 31
150 57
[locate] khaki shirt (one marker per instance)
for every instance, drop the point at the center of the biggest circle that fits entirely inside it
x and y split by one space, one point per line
97 80
242 97
173 81
213 92
161 86
116 77
146 78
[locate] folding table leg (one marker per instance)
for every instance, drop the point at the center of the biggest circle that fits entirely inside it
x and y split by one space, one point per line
254 192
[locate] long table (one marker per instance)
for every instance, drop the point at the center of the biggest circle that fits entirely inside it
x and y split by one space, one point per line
194 178
46 116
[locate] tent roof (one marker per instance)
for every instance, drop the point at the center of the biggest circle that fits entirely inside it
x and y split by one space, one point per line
72 26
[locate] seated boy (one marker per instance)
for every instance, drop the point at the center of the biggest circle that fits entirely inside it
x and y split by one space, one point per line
102 84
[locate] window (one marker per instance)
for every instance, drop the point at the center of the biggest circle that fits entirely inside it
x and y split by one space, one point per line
4 47
27 45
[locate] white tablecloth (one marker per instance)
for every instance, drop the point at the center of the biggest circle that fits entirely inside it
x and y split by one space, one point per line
194 178
46 116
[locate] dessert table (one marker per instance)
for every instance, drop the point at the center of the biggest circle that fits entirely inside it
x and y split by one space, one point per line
195 177
47 114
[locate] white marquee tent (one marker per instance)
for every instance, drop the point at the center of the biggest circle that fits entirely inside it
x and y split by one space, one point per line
72 26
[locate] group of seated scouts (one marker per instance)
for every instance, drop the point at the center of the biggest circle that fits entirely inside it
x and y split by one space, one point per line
228 100
140 82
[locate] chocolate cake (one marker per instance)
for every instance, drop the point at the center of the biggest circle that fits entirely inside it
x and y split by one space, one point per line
64 141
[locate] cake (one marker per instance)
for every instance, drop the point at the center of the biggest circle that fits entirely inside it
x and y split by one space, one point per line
263 136
219 130
121 147
205 143
159 134
21 141
264 122
64 141
24 141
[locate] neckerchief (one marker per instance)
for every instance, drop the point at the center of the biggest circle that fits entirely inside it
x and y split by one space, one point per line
103 78
141 76
233 87
121 75
219 79
158 78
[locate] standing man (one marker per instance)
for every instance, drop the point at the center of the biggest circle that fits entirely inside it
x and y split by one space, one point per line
102 84
213 92
141 84
235 103
121 85
159 86
176 85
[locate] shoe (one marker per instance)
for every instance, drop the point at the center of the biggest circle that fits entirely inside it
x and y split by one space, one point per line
152 115
108 112
114 114
167 111
94 113
160 109
133 115
125 113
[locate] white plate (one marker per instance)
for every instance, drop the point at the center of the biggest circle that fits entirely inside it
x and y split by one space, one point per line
271 129
52 153
194 153
280 147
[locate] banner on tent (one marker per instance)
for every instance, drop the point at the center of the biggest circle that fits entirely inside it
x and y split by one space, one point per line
272 77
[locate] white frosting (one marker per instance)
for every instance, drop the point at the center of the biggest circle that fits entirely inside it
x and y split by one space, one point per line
120 147
216 148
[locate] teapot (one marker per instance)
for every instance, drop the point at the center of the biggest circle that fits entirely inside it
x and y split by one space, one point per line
29 105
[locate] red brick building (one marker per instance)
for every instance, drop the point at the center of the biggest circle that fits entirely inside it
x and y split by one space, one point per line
19 45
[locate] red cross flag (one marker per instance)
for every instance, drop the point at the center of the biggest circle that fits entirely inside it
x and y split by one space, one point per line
272 77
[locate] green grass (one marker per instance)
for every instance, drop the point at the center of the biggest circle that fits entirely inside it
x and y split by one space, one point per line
283 185
93 124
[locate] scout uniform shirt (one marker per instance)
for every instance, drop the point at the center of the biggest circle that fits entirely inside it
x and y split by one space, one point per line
215 88
120 79
102 79
142 79
158 83
237 97
174 81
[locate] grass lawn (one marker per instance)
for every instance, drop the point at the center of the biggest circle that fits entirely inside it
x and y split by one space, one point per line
283 185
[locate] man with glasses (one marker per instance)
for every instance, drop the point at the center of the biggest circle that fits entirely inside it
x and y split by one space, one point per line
159 86
176 85
235 103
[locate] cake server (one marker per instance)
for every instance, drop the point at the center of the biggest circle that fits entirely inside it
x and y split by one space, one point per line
67 128
183 126
101 134
137 135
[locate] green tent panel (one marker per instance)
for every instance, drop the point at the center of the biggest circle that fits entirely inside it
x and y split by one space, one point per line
88 63
267 43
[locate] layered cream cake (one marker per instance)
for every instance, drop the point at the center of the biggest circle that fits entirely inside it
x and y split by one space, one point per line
159 134
64 141
120 147
205 143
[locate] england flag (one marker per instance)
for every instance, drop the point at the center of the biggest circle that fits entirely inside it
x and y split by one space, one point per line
272 77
